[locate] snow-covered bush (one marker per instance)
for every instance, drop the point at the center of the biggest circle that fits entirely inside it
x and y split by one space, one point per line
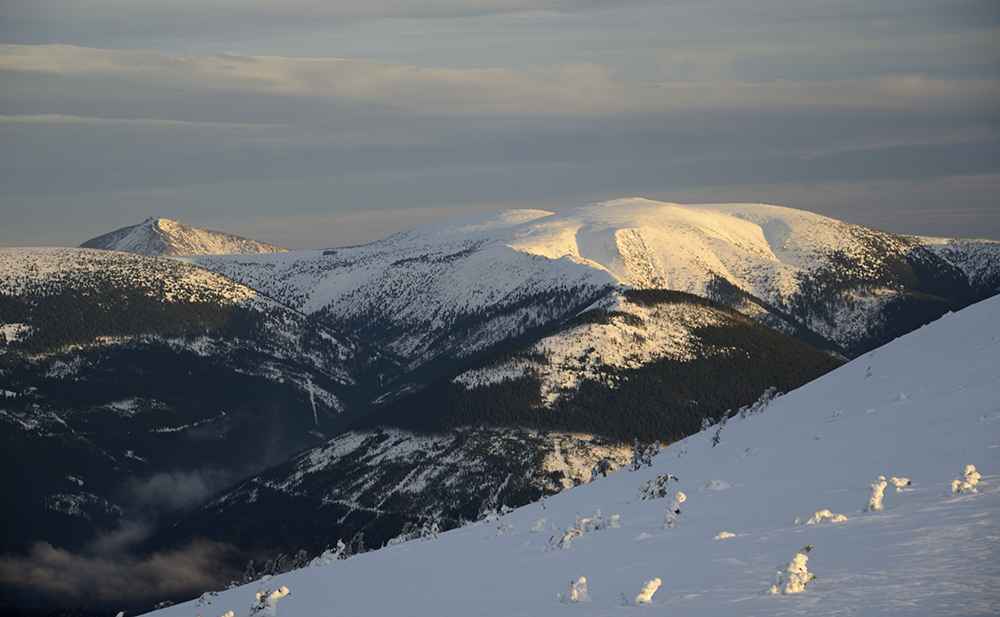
562 540
716 485
875 501
577 592
792 576
603 467
673 509
538 526
597 522
656 488
329 556
648 589
765 399
503 529
206 598
429 531
265 602
825 516
723 535
967 481
899 483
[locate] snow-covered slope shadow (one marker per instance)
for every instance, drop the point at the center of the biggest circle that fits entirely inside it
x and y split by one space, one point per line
921 408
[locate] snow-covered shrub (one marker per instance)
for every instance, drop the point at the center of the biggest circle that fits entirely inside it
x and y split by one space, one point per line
792 576
593 523
577 592
602 468
765 399
597 522
673 509
722 535
825 516
562 540
611 522
266 602
716 485
967 481
875 501
206 598
503 529
899 483
430 530
329 556
539 526
656 488
648 589
835 415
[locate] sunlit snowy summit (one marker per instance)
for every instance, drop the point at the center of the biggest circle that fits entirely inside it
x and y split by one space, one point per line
159 236
871 490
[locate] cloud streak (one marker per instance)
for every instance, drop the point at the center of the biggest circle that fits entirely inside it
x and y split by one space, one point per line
386 107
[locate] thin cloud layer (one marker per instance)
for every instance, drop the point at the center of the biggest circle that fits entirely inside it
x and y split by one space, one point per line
113 111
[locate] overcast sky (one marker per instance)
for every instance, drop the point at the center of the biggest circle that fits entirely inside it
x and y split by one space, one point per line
316 123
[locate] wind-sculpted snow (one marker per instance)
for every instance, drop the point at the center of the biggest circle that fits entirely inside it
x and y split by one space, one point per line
158 236
920 409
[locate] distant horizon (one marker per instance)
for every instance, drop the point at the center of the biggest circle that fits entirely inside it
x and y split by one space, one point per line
312 124
262 235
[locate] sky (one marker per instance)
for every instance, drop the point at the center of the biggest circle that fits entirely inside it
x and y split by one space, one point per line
312 124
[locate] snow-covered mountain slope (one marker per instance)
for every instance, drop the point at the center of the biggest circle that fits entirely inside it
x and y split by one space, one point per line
125 367
521 424
369 486
920 409
460 286
159 236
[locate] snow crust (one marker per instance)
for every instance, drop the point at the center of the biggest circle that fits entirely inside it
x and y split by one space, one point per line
929 551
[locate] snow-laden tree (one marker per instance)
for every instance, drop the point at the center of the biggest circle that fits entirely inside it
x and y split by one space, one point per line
673 509
577 592
430 530
966 482
899 483
875 501
266 602
330 555
825 516
656 488
648 589
792 576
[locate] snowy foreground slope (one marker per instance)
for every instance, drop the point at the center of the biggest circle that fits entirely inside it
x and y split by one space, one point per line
922 407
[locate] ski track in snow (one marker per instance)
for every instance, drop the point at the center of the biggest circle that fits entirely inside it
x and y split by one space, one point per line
925 410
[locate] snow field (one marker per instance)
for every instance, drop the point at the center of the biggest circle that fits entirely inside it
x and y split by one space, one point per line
928 552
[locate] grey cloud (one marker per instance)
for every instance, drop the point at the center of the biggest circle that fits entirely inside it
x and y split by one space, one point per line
50 576
171 492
